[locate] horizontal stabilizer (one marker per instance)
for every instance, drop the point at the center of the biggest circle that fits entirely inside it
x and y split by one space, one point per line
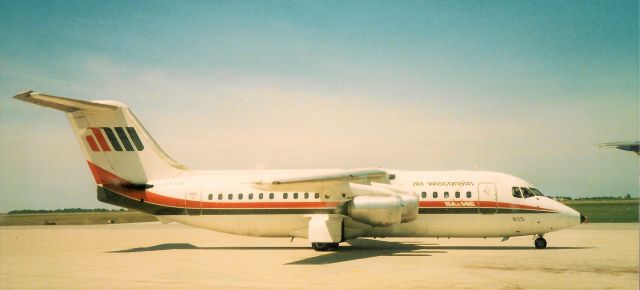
62 104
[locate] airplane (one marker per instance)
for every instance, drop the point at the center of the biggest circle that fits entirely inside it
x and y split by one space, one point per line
325 206
633 146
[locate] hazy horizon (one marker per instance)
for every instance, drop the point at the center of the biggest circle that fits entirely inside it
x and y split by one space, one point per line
525 88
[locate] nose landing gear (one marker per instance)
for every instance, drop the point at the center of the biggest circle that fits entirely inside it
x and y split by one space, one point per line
540 242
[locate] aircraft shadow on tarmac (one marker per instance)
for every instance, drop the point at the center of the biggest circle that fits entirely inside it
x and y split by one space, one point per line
358 249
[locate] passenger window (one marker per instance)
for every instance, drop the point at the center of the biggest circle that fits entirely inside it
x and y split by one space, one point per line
516 192
220 196
250 195
316 195
424 194
285 195
468 194
240 196
271 195
306 195
295 195
210 196
435 194
446 194
230 196
526 192
260 196
457 194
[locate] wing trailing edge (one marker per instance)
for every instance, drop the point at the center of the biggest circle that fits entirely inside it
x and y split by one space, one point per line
350 175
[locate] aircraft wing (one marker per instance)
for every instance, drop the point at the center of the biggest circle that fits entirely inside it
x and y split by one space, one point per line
325 182
340 176
627 146
60 103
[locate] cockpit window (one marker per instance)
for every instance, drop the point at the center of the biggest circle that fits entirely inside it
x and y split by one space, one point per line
526 192
536 192
516 192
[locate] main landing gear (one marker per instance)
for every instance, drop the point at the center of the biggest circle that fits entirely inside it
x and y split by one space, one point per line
322 247
540 242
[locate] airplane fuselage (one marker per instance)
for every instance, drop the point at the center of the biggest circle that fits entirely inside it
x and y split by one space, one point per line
451 204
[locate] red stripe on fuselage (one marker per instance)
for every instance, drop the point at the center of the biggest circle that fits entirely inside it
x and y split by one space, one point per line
475 203
147 196
163 200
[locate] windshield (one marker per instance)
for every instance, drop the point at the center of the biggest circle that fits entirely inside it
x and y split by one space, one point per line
537 192
526 192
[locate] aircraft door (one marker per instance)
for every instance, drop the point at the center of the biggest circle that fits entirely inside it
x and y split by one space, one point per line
487 198
192 200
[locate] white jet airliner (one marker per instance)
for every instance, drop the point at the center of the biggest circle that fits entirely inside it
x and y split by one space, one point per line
324 206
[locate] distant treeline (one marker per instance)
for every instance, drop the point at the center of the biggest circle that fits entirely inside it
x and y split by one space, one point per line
628 196
66 210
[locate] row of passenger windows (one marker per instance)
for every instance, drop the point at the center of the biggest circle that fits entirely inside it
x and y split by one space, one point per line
306 195
523 192
240 196
446 194
519 192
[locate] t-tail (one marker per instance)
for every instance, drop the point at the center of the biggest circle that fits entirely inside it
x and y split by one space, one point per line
118 149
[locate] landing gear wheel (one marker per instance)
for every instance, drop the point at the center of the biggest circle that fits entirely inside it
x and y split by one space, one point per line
540 243
321 247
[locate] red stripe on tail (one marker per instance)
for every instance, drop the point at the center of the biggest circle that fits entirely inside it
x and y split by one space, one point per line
101 140
92 143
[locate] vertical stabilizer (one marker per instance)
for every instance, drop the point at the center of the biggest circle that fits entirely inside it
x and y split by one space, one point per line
117 147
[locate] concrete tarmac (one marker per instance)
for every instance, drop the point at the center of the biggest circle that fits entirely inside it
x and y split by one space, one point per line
173 256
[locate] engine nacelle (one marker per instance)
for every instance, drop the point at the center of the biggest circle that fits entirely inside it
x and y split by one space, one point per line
410 206
376 210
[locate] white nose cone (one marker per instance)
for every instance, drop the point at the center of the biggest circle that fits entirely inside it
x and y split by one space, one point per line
564 216
573 215
570 217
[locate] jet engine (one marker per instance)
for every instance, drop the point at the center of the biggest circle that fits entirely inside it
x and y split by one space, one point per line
376 210
382 205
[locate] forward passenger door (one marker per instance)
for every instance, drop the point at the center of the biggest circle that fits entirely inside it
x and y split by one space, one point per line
487 198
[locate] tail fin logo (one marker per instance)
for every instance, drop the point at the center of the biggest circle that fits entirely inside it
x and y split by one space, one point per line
117 139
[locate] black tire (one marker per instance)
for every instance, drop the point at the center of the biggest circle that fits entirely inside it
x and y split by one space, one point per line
322 247
540 243
333 247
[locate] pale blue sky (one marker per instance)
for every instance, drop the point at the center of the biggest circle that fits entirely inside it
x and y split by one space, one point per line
522 87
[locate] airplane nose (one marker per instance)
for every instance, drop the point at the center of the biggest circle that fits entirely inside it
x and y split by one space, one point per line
584 219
